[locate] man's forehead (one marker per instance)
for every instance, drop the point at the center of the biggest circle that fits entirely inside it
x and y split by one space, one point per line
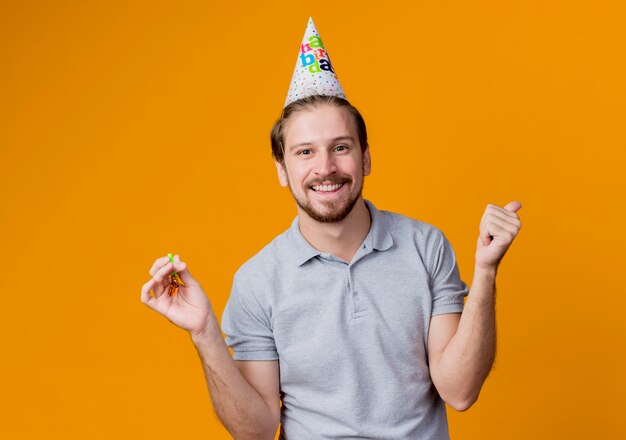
320 125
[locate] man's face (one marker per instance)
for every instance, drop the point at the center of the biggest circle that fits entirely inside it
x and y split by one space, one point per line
324 166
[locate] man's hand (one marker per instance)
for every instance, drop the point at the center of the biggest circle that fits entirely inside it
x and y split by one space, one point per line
498 228
190 308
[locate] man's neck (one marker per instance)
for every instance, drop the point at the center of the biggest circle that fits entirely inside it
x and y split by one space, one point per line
341 239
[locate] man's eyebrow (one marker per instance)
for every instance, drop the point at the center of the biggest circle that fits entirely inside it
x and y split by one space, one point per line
339 138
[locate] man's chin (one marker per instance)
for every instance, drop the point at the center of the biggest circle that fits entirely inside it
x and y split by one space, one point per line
328 211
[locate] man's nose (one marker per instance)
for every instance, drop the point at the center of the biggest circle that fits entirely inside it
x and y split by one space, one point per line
325 164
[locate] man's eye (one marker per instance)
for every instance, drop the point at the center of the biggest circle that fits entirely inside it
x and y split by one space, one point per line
305 152
341 147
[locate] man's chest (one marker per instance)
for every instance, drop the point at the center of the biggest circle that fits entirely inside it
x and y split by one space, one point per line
333 312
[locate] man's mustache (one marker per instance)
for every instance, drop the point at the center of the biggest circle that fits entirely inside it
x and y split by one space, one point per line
336 180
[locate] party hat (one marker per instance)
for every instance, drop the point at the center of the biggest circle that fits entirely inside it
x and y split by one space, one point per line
314 74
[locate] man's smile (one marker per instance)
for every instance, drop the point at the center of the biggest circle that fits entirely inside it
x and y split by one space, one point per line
327 188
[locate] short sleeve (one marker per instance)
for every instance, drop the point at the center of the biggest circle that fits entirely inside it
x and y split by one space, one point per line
247 326
448 290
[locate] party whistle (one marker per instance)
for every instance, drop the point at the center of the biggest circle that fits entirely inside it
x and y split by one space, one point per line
175 281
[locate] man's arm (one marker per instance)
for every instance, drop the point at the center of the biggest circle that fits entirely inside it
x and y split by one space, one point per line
245 394
461 349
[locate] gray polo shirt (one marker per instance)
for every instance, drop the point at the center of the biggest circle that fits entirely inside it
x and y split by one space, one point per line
350 337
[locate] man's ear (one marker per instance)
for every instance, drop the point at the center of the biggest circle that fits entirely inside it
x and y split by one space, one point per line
367 162
282 173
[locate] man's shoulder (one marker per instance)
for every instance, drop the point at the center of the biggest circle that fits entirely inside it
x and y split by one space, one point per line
402 226
268 260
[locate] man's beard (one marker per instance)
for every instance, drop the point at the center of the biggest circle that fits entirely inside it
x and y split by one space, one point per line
336 209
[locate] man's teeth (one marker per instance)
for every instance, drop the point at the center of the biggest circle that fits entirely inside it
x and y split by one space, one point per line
327 187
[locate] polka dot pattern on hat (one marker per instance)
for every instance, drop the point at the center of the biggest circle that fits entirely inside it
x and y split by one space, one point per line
314 73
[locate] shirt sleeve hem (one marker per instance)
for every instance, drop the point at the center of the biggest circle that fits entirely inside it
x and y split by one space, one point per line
456 307
257 355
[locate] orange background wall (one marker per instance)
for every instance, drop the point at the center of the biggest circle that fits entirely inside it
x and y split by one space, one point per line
132 129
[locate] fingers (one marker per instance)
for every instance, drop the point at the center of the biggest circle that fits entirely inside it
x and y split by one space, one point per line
497 231
487 232
183 272
494 216
496 228
504 213
500 223
501 216
497 220
160 279
178 267
164 272
146 298
159 262
160 271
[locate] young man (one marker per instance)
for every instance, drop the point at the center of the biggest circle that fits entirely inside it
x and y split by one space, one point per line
353 316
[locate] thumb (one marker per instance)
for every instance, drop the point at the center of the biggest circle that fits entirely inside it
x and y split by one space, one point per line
513 206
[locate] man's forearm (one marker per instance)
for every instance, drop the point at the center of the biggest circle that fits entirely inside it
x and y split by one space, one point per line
241 409
468 357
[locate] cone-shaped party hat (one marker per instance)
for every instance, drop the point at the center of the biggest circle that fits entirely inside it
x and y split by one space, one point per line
314 74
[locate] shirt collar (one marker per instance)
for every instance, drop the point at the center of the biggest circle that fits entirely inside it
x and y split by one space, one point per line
302 248
379 236
380 230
